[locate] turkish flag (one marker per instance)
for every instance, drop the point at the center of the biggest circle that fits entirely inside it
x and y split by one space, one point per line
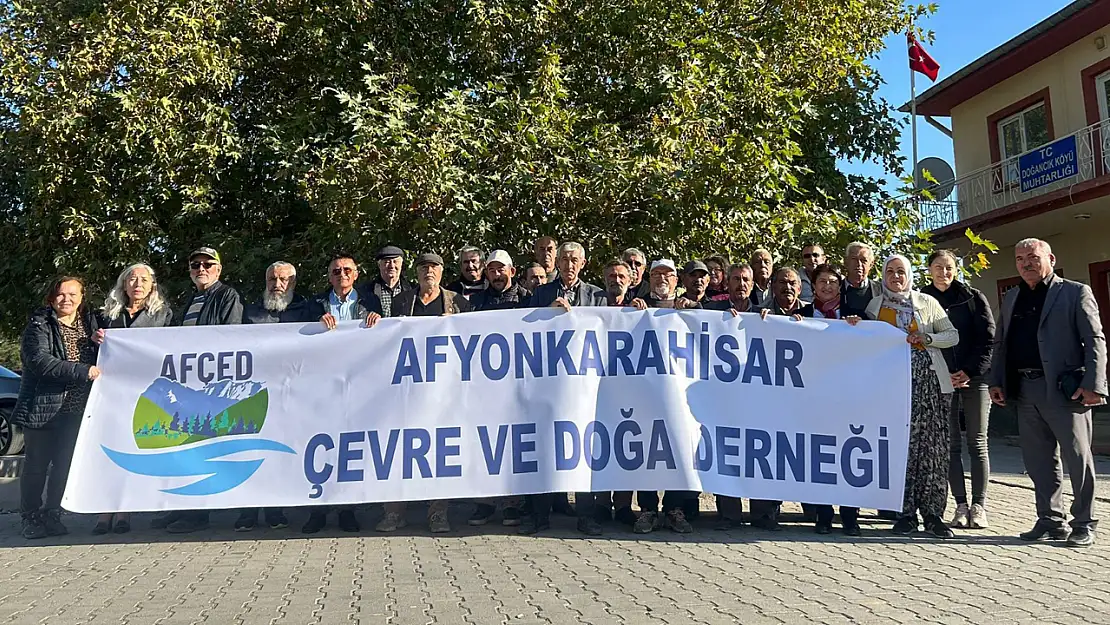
920 61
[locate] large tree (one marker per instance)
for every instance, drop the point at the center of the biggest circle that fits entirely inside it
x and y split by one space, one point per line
290 128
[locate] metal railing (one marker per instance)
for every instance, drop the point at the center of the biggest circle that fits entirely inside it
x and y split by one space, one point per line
997 186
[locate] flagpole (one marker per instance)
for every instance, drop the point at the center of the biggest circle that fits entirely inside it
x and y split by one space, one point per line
913 133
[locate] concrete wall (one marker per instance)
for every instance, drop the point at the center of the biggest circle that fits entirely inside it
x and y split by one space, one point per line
1059 72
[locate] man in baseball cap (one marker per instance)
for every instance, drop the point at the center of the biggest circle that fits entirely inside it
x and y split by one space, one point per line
503 291
695 279
212 303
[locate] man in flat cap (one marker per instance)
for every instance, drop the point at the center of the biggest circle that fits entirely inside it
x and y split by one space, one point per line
390 281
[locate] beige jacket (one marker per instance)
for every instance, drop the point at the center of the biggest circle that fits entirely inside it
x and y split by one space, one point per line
934 323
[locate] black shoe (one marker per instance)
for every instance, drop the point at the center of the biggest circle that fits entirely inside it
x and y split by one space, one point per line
122 526
483 512
33 526
316 522
276 520
52 519
589 527
823 527
101 528
188 524
625 516
1045 530
889 515
852 529
1081 537
562 506
937 527
767 523
510 517
348 522
532 525
905 525
246 521
162 521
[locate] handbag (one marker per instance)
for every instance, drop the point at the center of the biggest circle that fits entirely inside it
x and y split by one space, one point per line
1070 381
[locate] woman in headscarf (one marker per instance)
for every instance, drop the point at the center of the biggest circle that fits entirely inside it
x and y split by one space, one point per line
134 302
59 366
928 330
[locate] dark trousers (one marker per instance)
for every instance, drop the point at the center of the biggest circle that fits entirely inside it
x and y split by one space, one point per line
672 500
539 505
764 509
47 452
848 515
1048 431
268 513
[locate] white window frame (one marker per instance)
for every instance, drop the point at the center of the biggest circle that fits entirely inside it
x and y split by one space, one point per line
1012 174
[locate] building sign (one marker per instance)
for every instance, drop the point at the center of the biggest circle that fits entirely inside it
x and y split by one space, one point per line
1054 162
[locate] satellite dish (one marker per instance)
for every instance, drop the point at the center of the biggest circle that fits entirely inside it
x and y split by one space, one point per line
938 169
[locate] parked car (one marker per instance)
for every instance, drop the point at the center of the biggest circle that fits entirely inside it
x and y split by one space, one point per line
11 437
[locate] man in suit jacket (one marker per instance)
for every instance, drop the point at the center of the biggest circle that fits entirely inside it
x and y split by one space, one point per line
565 292
1050 329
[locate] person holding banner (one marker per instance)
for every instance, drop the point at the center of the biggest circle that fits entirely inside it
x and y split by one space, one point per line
503 293
763 265
928 330
785 286
677 504
59 366
389 282
134 302
429 300
212 303
567 291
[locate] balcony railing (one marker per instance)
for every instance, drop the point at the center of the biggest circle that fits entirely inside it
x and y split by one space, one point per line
998 185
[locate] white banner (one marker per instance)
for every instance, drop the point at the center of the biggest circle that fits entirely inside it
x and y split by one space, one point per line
496 403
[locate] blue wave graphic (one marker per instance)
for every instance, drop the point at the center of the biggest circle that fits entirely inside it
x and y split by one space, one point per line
223 475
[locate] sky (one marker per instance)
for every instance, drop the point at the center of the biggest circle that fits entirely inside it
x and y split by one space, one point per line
965 30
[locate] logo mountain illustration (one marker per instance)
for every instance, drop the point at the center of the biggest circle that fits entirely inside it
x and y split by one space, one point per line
169 414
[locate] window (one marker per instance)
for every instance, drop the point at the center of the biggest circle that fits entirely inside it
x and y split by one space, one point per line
1102 85
1020 133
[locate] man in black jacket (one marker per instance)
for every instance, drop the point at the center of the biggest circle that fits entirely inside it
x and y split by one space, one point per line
390 281
858 287
213 303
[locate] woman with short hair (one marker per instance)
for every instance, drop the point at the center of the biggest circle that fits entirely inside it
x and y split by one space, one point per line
59 365
134 302
968 362
928 330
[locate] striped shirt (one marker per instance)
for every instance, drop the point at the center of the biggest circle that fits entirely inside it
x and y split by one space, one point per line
192 313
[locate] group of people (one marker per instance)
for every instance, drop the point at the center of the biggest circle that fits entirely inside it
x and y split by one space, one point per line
1046 355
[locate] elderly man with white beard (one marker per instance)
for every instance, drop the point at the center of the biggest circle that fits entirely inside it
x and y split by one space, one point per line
280 304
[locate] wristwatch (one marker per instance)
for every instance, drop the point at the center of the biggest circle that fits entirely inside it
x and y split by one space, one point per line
928 339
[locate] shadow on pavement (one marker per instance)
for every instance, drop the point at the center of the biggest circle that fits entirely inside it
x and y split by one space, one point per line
794 530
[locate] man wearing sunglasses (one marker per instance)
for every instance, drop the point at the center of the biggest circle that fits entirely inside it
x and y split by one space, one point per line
813 256
637 261
343 302
212 303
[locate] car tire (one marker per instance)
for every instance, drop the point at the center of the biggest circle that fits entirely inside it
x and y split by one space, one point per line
11 436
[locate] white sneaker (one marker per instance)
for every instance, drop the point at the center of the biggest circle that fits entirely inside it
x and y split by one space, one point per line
962 517
978 518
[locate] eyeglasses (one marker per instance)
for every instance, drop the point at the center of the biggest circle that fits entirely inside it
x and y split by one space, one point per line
813 255
635 263
339 271
829 282
208 264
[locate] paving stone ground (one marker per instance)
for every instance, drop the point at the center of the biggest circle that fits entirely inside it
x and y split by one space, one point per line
492 576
